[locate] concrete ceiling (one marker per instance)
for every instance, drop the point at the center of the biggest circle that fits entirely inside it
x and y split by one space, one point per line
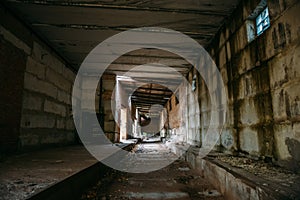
74 27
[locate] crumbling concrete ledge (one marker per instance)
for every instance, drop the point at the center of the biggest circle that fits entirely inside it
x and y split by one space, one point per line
236 183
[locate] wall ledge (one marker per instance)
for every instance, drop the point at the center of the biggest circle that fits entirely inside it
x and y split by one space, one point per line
237 183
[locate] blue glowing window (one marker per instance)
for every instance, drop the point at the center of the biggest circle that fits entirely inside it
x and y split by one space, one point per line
262 21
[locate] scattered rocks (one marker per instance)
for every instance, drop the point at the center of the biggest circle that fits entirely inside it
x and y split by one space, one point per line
265 170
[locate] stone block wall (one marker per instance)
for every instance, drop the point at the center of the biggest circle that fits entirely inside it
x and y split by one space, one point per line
262 79
46 109
284 70
37 87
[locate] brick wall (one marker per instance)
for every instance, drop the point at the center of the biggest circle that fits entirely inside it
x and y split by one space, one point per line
36 90
47 111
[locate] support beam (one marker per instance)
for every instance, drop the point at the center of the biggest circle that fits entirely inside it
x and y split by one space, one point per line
125 7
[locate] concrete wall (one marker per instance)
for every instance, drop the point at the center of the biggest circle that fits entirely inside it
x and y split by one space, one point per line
262 85
262 78
284 70
36 95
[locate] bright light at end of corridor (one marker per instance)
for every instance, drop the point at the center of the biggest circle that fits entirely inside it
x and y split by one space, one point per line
104 54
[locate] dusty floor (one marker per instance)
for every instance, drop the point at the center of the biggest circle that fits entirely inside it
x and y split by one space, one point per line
28 173
176 181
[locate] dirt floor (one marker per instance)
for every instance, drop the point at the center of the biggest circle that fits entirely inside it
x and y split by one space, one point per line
176 181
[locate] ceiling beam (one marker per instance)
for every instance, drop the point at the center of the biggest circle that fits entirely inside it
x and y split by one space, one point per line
123 7
148 99
138 94
165 93
155 89
161 80
149 104
142 71
198 35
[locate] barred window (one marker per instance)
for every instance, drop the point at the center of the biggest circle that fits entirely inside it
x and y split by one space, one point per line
262 21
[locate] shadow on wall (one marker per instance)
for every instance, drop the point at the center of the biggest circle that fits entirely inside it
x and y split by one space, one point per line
294 149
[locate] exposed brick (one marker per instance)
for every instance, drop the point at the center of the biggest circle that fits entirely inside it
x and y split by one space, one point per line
32 83
60 123
69 74
58 80
42 55
53 107
35 68
38 52
64 97
54 64
32 102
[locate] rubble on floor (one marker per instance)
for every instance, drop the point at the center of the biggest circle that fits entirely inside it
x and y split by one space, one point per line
176 181
266 170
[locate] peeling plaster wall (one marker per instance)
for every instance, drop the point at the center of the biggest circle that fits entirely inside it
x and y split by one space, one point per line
262 79
36 90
